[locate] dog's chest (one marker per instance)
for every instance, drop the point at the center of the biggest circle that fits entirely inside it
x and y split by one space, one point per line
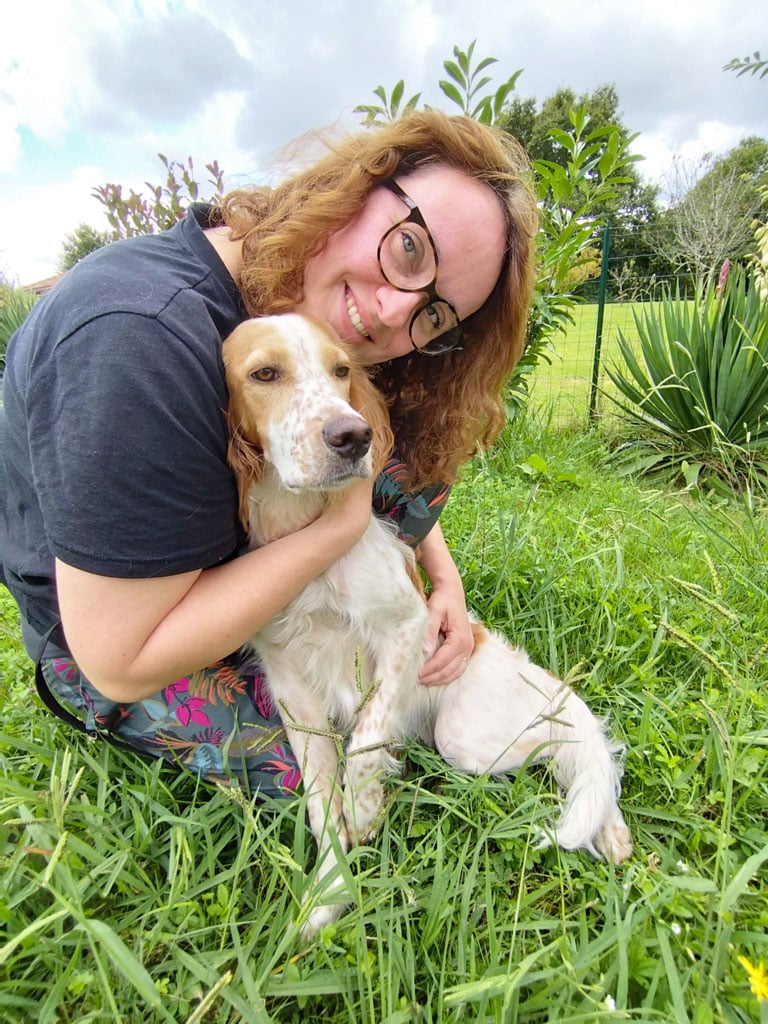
350 606
371 581
350 597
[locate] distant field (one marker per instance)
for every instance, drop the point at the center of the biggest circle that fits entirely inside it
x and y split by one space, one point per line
567 382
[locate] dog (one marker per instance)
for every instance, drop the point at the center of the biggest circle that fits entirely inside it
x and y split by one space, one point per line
342 659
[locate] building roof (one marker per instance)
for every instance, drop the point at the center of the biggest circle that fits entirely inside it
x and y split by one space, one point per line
41 287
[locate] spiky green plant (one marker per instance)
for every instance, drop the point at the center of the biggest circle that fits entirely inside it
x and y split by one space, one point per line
695 388
15 304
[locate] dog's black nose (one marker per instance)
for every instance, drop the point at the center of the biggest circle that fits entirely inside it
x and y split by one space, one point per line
348 436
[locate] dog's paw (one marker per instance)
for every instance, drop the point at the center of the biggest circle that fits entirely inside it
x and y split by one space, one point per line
325 900
614 841
318 918
363 809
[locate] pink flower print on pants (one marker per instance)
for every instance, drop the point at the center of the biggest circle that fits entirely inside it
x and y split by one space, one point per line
186 710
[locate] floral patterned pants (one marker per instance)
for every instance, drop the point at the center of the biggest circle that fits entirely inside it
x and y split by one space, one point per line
220 723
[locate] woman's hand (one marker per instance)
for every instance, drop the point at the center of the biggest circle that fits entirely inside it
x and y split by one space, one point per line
449 636
449 640
347 515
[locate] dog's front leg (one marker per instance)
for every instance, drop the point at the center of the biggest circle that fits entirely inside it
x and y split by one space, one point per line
316 749
322 784
379 725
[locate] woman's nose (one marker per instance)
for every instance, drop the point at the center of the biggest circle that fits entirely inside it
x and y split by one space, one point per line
396 308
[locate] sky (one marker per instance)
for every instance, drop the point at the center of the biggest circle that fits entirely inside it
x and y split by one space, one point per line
91 92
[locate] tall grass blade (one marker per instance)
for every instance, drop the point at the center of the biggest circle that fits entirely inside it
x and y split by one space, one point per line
101 935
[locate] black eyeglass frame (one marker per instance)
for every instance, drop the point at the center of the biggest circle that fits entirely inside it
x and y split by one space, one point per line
415 216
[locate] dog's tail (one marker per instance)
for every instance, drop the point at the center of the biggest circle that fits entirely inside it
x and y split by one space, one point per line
587 767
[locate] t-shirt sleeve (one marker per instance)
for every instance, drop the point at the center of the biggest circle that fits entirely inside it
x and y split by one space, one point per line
414 513
128 439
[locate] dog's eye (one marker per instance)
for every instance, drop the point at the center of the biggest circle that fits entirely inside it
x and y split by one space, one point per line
264 374
342 371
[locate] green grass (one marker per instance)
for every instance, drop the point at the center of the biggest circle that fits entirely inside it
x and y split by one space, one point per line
130 894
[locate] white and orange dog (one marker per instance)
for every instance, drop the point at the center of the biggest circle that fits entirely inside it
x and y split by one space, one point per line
344 656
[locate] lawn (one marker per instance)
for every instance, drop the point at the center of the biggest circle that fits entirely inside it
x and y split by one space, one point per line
129 894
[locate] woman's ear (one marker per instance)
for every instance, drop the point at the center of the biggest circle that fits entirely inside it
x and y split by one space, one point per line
370 403
246 460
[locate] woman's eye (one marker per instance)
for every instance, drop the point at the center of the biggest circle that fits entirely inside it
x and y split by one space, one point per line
433 314
264 374
411 252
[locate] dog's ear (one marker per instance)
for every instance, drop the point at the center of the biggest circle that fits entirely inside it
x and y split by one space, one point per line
369 402
246 460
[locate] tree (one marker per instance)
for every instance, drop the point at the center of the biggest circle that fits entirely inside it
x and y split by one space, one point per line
747 162
714 204
758 259
632 210
533 127
82 241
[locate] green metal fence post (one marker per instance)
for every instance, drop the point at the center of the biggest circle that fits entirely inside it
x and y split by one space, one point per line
599 328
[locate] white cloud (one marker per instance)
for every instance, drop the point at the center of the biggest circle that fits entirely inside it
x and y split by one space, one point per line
43 71
38 217
10 143
162 72
661 149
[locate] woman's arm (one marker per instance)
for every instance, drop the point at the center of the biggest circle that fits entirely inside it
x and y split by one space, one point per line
447 614
132 637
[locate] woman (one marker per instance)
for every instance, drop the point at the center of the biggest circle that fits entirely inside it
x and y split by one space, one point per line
414 242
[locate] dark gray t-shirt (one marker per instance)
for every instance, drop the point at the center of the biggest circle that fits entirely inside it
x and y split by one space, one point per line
115 437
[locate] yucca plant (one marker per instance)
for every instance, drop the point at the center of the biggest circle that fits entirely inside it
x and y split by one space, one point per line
695 389
15 304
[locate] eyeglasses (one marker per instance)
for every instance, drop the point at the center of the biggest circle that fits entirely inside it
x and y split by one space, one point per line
408 261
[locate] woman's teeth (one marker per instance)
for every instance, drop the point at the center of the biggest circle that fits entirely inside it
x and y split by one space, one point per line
354 316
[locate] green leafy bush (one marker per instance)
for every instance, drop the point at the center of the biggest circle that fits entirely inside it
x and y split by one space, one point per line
697 389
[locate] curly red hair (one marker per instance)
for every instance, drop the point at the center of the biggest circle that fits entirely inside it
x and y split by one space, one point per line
443 408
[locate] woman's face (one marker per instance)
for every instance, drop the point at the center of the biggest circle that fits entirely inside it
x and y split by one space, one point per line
344 285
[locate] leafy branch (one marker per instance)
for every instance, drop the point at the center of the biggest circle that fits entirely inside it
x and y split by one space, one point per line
467 85
137 215
389 109
748 65
462 90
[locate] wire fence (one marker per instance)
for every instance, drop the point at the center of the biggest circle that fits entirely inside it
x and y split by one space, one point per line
571 385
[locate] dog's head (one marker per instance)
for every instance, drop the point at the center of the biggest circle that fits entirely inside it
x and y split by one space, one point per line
298 402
